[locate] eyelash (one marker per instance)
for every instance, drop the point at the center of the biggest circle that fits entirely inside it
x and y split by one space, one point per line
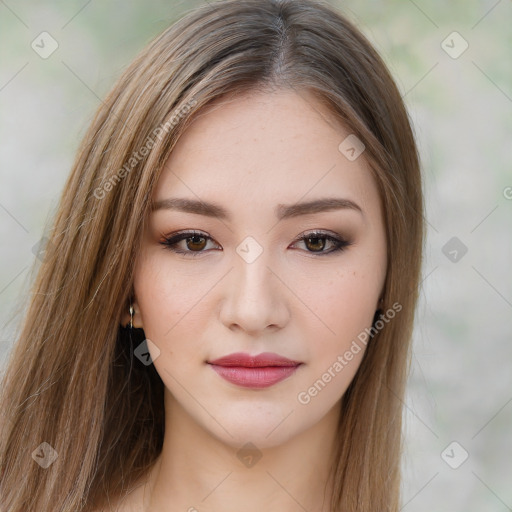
170 241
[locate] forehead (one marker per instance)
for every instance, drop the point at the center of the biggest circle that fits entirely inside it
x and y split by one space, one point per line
259 149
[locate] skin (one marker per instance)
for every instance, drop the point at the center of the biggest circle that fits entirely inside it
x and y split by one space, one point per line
249 154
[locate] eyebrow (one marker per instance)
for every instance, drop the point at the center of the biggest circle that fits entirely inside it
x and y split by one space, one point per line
282 211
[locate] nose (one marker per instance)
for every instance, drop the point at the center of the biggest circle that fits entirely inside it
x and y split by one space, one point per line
254 297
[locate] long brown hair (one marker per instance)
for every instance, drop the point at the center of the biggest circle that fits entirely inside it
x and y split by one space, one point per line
71 380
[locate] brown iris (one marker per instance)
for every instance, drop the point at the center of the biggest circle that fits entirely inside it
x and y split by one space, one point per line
319 247
194 240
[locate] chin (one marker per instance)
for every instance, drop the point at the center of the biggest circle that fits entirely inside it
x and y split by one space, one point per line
250 435
263 427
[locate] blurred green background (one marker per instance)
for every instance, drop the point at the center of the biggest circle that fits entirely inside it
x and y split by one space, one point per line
460 103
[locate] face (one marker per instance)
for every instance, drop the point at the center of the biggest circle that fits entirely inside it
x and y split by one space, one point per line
266 276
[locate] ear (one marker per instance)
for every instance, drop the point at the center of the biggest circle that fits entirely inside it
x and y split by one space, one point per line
137 318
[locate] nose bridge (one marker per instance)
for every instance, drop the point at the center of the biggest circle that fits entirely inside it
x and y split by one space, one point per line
253 298
254 277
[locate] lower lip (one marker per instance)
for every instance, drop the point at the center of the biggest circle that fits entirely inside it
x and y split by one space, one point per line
257 378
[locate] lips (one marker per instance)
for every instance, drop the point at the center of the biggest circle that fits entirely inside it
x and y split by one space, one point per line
259 361
259 371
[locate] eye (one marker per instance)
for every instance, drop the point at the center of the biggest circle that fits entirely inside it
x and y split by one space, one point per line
195 242
317 241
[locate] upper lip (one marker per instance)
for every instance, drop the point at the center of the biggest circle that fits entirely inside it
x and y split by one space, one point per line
261 360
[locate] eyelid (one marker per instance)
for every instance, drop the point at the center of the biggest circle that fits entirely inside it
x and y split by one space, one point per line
340 241
174 238
310 233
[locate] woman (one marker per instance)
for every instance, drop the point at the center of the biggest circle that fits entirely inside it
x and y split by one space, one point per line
223 315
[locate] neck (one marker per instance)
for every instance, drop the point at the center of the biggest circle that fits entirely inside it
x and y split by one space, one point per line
198 471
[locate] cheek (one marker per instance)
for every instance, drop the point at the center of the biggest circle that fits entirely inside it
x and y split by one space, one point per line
161 297
343 304
344 308
172 304
336 347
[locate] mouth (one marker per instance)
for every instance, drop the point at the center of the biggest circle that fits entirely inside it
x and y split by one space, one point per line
255 372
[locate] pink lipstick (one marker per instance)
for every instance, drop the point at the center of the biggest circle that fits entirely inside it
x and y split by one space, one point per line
257 372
